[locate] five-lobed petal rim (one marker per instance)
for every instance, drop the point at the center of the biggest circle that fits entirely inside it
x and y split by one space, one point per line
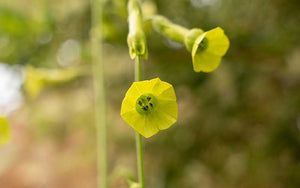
162 118
208 60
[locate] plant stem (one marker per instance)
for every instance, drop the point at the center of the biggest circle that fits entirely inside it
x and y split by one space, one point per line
139 144
99 89
173 31
137 69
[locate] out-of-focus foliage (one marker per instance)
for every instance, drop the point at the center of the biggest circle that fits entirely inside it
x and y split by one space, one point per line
38 78
237 127
5 132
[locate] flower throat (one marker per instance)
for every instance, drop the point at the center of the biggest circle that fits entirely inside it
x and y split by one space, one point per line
146 104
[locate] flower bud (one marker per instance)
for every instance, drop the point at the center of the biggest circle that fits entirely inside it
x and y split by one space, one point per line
136 39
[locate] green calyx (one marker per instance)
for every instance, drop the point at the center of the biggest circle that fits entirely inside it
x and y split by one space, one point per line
146 104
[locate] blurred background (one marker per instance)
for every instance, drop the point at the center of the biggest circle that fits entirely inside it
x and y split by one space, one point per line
238 126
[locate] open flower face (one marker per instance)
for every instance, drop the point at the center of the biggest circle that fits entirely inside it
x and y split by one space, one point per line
208 50
150 106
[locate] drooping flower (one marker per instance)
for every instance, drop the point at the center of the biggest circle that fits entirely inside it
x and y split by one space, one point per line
38 78
150 106
208 50
5 134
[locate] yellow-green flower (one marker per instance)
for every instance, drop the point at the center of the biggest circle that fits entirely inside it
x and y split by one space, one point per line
208 50
38 78
150 106
5 134
136 39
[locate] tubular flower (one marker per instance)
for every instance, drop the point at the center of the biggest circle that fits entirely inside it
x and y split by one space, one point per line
150 106
208 50
136 39
38 78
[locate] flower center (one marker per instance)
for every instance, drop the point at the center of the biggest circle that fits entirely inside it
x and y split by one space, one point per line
146 104
203 44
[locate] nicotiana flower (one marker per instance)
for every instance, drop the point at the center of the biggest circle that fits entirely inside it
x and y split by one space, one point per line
208 50
5 134
38 78
150 106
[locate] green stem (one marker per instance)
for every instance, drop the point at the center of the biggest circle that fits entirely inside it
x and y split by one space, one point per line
169 29
99 89
139 144
137 69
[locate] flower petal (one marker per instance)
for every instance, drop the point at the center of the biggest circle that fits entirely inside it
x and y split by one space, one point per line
146 86
150 127
166 115
160 87
205 62
128 105
168 94
169 108
140 123
218 42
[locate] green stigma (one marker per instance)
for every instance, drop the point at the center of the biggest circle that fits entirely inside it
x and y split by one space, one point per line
146 104
203 44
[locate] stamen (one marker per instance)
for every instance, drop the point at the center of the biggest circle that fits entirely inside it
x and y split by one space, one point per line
140 103
148 98
151 104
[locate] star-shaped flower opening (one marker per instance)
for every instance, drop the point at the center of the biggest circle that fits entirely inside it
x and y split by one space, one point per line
150 106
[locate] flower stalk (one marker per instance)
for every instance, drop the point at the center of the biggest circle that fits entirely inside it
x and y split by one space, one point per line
138 137
137 48
99 90
165 27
